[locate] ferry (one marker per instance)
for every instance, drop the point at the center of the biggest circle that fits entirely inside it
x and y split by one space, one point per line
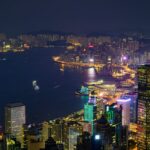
35 86
34 83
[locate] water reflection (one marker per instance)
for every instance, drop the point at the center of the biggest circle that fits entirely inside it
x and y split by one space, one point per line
91 73
62 67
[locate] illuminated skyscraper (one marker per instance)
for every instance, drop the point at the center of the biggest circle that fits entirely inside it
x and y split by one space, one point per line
104 131
114 114
14 120
124 101
144 107
75 130
90 113
114 117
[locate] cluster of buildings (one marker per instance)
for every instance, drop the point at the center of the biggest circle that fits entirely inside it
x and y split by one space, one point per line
122 125
102 50
122 44
83 48
108 50
139 58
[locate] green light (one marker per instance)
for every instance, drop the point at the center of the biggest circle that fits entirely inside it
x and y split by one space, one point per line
89 112
107 108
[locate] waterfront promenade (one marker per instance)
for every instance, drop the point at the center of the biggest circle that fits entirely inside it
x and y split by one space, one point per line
81 64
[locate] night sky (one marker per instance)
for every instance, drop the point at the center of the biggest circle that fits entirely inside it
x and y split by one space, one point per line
77 16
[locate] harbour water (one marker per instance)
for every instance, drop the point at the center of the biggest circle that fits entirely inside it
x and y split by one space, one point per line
56 96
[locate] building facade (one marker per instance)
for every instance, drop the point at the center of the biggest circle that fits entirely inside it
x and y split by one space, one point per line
15 118
144 107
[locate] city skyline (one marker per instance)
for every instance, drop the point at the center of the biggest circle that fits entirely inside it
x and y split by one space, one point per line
75 75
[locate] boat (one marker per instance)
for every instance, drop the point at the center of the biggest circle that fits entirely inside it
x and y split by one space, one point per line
34 82
36 88
35 85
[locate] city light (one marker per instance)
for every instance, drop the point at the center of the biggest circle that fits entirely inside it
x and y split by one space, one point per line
124 100
79 72
97 137
91 60
101 94
56 58
90 45
107 108
91 74
124 57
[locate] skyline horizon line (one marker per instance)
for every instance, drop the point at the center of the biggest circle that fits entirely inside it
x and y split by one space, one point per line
94 33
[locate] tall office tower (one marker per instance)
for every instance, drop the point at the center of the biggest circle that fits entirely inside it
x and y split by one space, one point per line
144 107
103 134
75 129
124 101
90 114
114 113
56 130
129 105
15 118
114 117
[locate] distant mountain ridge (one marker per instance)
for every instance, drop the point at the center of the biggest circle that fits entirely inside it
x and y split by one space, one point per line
50 32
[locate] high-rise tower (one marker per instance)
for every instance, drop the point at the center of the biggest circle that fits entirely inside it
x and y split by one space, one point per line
15 118
144 107
90 114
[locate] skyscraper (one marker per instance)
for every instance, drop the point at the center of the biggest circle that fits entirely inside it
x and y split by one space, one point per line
114 117
75 129
90 114
125 101
144 107
14 119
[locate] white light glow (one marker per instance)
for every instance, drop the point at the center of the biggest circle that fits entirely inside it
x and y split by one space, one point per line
124 100
91 60
97 137
91 74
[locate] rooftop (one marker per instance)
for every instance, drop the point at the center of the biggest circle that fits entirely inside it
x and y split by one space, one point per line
15 105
